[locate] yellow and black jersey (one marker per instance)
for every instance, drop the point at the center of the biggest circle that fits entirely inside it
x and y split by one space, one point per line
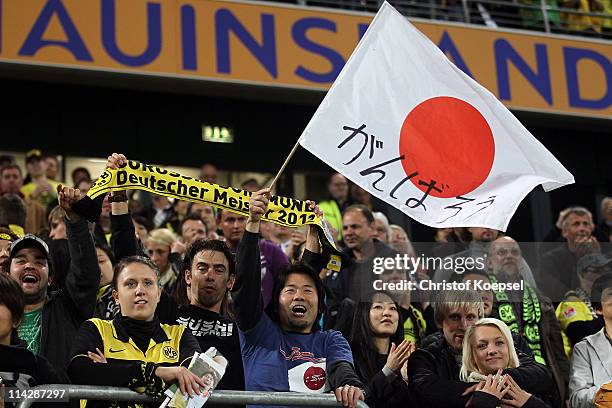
133 349
163 347
575 307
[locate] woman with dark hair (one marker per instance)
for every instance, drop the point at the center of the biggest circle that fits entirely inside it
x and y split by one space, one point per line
106 308
142 226
134 349
379 351
19 367
79 174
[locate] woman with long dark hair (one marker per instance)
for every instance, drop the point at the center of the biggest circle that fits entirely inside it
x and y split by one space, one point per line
379 351
20 367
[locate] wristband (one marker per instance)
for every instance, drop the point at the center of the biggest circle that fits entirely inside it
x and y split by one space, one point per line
117 197
388 372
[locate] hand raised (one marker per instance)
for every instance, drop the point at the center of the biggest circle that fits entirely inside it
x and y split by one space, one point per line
259 204
116 161
398 355
68 197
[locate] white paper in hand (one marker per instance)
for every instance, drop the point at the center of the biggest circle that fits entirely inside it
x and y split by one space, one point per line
210 366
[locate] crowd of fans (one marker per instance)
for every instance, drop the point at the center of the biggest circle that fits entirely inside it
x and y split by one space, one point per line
128 300
591 18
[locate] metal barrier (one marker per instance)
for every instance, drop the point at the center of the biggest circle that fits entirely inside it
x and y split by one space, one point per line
218 397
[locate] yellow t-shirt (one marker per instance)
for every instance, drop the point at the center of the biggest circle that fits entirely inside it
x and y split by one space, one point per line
333 215
580 22
569 311
44 198
607 22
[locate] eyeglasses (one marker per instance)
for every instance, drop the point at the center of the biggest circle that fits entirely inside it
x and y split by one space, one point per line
505 251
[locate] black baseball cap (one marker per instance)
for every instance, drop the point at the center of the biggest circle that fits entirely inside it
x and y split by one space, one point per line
29 241
599 286
592 261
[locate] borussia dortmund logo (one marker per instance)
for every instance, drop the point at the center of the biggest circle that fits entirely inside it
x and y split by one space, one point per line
104 179
170 353
506 313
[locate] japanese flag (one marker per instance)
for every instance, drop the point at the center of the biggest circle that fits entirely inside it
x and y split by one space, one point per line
407 125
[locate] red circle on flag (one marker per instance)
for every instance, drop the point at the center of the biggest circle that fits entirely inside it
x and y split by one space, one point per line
447 140
314 378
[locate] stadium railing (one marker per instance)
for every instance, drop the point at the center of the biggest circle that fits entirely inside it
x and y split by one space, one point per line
537 15
218 397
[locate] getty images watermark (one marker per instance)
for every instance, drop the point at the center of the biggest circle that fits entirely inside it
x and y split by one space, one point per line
387 280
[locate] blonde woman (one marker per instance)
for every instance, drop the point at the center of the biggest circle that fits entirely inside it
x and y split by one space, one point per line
488 350
159 248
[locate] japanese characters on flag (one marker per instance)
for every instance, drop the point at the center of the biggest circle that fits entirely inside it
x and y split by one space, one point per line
407 125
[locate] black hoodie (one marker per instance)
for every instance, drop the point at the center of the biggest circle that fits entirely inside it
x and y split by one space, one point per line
19 367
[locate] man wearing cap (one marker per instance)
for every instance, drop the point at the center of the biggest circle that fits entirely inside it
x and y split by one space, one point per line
576 314
51 320
6 239
40 188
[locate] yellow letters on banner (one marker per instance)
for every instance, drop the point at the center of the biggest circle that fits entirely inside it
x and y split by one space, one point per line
139 176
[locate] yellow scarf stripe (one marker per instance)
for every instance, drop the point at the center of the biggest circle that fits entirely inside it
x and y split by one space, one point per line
284 211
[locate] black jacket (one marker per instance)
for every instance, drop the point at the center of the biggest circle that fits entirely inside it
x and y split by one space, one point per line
602 231
557 273
20 367
486 400
355 279
385 391
212 329
123 237
433 374
66 309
